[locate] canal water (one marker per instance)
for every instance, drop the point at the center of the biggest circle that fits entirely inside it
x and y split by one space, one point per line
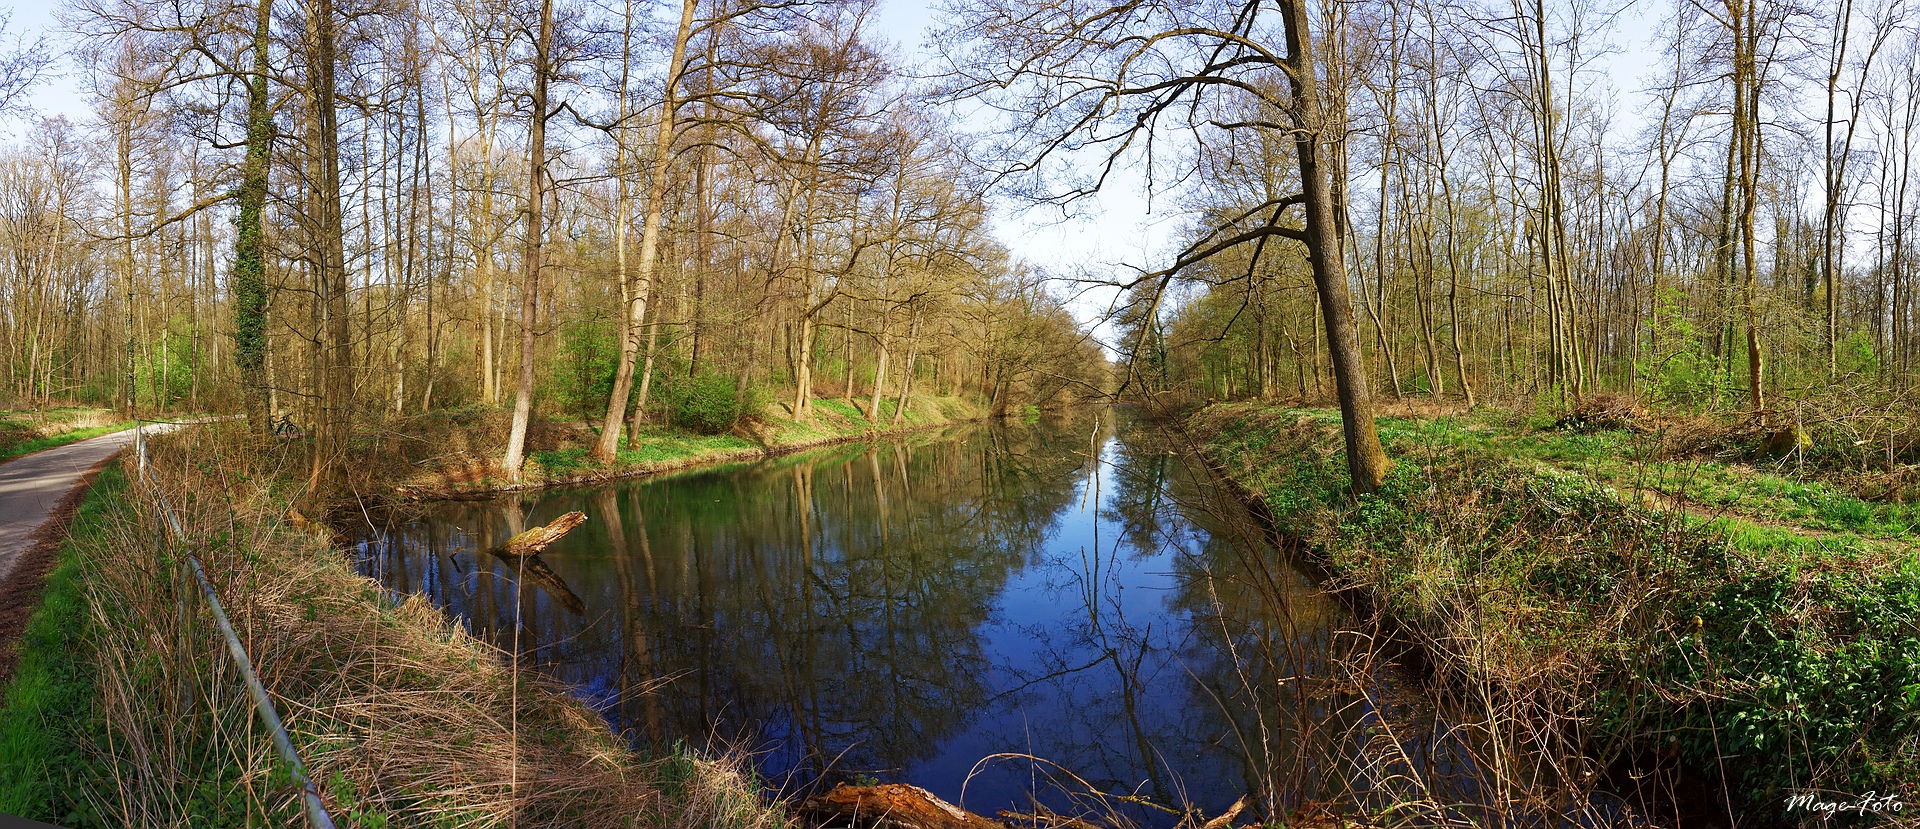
1066 611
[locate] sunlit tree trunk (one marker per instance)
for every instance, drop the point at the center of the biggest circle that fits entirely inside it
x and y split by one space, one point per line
642 287
1366 460
326 239
532 254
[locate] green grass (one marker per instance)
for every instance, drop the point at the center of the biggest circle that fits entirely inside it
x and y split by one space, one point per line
32 445
1499 544
48 705
1628 461
661 446
846 410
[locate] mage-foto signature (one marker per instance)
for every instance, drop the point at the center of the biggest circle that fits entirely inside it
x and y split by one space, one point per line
1866 804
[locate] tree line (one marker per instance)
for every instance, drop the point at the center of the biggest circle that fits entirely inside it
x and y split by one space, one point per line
1422 198
338 212
582 204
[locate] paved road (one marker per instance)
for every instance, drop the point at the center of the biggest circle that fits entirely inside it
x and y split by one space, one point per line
31 486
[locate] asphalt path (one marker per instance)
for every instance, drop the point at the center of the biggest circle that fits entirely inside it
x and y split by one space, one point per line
32 487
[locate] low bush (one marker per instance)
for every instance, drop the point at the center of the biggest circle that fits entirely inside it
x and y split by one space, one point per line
708 405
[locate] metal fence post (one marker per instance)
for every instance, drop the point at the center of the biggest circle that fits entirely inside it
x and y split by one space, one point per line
311 802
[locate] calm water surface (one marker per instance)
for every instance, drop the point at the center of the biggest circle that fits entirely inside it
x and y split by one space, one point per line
995 613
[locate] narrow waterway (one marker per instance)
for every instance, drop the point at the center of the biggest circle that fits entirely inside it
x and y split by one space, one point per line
995 613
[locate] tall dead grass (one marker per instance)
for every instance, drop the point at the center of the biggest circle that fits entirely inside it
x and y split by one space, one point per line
401 717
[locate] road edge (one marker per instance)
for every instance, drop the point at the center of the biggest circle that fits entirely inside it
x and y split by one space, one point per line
20 588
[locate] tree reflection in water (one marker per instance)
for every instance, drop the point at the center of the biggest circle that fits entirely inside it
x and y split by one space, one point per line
908 608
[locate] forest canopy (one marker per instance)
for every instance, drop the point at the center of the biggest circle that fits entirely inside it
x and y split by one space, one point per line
330 212
337 212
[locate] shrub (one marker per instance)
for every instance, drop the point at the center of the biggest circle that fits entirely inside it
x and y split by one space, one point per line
589 355
707 405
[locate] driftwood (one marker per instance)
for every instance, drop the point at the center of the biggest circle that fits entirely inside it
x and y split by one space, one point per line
1043 818
1226 818
522 552
534 540
892 806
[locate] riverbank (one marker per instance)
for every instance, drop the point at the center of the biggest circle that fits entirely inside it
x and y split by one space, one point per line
127 711
402 716
1768 645
455 453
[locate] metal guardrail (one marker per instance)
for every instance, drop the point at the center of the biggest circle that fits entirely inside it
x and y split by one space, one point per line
316 809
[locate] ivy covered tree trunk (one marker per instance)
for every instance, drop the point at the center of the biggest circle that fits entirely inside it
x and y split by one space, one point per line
250 291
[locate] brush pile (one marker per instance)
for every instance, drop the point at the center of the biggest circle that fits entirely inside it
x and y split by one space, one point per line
1600 412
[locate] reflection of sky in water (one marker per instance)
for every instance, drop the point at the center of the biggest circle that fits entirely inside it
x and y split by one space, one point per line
907 609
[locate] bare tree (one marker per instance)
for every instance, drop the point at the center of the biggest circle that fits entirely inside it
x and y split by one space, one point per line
636 289
1106 79
531 258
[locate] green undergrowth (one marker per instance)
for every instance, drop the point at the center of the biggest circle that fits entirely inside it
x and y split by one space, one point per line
18 438
1770 491
659 446
1525 559
49 702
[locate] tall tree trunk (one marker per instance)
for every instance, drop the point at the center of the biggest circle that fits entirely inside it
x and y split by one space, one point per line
250 290
1366 459
1746 136
334 409
646 369
662 158
906 367
532 254
879 371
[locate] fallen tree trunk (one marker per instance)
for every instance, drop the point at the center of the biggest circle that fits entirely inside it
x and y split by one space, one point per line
523 552
892 806
534 570
532 541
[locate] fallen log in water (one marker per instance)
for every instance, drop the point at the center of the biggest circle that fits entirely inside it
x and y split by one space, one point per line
523 552
532 541
891 806
535 570
1043 818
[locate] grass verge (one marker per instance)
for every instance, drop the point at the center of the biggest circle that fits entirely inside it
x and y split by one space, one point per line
47 717
20 437
1767 659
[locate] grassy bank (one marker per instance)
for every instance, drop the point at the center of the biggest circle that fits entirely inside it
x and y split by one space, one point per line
46 717
455 452
23 433
1619 602
127 711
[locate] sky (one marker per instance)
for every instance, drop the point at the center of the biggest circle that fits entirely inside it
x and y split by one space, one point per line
1109 232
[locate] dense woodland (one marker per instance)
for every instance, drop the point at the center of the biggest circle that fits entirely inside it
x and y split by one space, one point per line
332 212
1734 226
336 213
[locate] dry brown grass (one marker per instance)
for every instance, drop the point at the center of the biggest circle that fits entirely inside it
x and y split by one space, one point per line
402 717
